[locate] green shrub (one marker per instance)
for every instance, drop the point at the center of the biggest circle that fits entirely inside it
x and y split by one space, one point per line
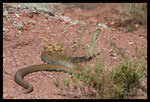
121 82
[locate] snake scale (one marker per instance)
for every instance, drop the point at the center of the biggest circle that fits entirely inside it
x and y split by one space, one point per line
55 63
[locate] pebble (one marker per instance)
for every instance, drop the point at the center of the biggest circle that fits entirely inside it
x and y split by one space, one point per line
5 95
50 76
130 43
19 32
17 15
8 72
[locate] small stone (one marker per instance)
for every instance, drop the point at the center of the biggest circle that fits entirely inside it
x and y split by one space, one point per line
30 15
17 15
47 28
32 22
8 72
136 25
50 76
113 54
19 32
130 43
112 23
19 25
113 29
114 58
102 25
5 95
4 29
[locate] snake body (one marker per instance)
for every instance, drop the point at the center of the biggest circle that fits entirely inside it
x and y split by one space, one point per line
55 64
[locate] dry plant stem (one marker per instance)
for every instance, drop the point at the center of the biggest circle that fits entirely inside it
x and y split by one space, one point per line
92 43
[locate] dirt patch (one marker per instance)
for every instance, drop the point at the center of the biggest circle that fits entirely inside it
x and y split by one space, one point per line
23 27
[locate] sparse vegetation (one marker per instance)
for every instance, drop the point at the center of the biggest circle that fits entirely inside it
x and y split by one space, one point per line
98 80
131 8
121 82
95 82
137 11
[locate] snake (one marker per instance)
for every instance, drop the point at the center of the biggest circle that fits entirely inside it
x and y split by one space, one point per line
54 63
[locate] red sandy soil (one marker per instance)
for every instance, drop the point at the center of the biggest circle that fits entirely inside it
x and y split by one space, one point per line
22 45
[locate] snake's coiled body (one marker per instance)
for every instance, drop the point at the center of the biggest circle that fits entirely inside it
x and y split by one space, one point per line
55 64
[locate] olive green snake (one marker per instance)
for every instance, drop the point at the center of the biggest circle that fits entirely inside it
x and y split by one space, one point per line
55 63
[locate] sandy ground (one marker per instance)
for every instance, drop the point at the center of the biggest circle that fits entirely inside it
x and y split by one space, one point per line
22 44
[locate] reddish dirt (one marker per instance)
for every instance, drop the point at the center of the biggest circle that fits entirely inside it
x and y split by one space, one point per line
22 45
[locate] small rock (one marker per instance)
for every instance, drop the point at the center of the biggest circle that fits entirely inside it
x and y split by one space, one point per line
136 25
8 72
50 76
8 27
113 54
113 29
114 58
17 15
4 29
130 43
31 22
5 95
47 28
112 23
30 15
5 13
20 26
19 32
102 25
